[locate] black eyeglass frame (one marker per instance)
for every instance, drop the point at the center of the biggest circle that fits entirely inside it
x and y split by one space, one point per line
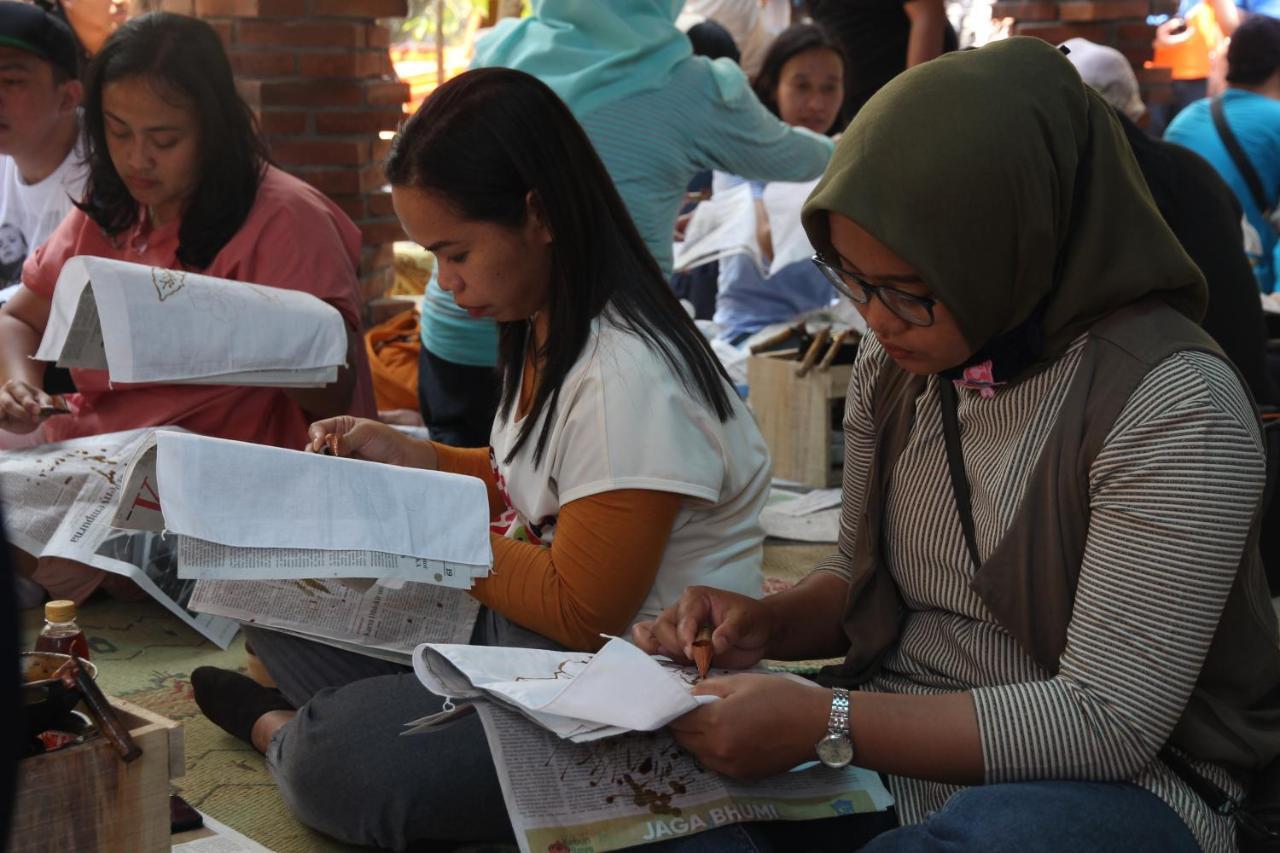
837 274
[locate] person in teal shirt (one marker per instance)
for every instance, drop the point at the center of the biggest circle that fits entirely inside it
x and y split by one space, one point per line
656 114
1251 106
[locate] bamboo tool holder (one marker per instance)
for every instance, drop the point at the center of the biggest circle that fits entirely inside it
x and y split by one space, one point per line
84 798
799 416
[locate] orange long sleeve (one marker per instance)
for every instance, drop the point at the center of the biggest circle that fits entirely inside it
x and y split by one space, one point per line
596 574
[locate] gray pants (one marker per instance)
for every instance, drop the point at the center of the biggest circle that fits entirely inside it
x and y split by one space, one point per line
342 765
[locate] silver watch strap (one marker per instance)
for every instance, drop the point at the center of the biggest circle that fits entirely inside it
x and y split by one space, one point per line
838 722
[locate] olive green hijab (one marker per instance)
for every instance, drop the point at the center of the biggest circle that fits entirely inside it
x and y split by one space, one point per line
1008 184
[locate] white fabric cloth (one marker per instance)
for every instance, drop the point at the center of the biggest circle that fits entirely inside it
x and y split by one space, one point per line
150 324
30 212
626 421
255 496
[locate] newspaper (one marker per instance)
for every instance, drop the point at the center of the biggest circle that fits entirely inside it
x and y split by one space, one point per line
148 324
380 622
724 225
576 695
59 499
810 517
641 787
250 512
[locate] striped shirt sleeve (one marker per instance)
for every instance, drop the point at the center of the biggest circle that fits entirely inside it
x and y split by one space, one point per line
859 447
1172 493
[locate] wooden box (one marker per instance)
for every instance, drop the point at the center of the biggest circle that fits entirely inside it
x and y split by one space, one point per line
84 798
799 416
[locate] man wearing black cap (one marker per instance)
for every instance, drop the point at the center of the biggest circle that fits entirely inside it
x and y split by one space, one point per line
41 166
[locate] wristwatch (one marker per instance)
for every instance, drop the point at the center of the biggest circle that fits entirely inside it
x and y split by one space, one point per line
836 749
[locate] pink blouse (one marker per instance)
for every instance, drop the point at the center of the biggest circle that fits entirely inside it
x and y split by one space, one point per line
294 237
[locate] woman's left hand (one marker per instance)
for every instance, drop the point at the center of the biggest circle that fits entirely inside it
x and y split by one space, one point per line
763 724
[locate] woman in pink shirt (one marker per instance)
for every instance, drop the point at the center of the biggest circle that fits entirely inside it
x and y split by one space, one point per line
179 178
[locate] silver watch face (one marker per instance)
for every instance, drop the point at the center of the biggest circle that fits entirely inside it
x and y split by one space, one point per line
835 750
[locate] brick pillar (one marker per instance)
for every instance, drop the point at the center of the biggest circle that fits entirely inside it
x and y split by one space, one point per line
1116 23
319 77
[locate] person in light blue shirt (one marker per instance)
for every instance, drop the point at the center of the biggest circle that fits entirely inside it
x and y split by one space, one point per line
1251 106
656 114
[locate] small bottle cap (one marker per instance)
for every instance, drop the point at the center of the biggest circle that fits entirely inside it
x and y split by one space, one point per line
60 611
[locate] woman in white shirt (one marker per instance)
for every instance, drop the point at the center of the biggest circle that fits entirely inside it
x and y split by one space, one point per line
623 467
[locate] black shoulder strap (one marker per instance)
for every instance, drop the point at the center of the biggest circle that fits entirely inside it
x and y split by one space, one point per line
955 464
1241 159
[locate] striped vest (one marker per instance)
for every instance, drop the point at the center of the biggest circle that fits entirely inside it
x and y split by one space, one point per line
1028 582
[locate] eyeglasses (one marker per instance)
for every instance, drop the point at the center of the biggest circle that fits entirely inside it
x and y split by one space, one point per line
916 310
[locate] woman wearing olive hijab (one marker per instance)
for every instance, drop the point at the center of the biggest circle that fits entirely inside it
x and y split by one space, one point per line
1044 620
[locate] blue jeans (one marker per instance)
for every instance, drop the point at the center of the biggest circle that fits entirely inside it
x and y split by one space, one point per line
1030 817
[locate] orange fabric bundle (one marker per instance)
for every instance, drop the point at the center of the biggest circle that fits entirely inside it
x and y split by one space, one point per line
393 348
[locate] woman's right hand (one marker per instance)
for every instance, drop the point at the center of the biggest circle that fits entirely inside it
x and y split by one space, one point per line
20 405
361 438
743 627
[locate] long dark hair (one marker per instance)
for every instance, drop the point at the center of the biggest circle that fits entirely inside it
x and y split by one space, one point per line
791 42
484 141
182 57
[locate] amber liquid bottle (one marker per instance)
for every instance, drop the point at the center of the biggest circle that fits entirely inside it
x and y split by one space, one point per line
61 634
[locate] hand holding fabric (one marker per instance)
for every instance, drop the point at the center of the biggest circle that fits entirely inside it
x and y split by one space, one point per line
762 725
362 438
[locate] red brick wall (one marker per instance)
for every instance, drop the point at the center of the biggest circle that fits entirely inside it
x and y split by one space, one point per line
318 74
1117 23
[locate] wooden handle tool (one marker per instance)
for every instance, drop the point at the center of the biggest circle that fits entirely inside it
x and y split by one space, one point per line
702 651
777 338
74 677
811 354
58 407
833 350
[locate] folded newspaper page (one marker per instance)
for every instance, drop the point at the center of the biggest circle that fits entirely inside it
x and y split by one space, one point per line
722 226
58 501
376 621
576 695
642 787
147 324
250 512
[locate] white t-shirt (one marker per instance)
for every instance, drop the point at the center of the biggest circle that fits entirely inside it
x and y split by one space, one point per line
625 421
30 212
